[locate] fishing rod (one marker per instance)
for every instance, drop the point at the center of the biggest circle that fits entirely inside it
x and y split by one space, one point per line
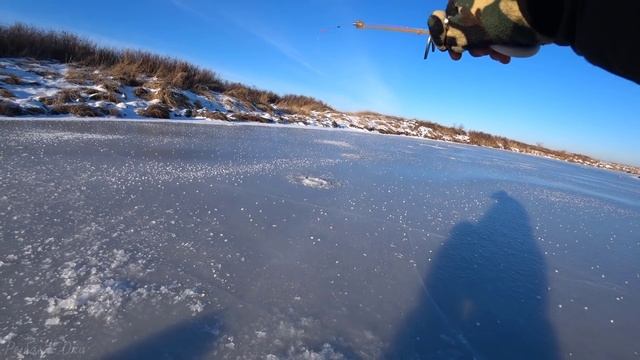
512 51
361 25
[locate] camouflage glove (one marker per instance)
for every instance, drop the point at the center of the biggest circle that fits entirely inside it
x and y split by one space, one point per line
480 25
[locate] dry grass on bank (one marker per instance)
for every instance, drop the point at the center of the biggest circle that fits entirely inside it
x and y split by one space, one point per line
132 67
157 111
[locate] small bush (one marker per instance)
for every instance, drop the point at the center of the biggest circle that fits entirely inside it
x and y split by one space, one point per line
252 97
201 90
484 139
301 104
143 93
214 115
127 78
251 117
264 107
111 86
69 95
132 81
104 96
63 97
84 110
79 76
9 108
157 111
81 110
172 98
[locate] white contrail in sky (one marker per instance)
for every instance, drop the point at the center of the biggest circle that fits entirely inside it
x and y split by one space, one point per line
364 90
281 45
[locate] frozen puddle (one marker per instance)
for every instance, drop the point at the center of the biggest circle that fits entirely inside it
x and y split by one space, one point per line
127 240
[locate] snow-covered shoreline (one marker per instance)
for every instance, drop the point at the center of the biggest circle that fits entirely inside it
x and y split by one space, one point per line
47 90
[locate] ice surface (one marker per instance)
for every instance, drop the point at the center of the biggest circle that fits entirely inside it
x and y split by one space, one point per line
175 240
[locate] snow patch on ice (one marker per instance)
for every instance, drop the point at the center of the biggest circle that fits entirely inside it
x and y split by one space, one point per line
342 144
60 136
7 338
188 295
52 321
103 284
101 299
351 156
312 182
327 352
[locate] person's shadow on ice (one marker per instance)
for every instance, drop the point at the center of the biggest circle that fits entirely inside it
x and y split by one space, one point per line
485 295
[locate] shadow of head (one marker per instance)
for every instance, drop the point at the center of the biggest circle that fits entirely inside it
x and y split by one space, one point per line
486 293
190 339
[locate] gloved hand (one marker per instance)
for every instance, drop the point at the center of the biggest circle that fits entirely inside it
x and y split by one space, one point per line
484 27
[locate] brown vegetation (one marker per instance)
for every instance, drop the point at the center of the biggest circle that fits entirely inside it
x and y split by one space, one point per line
80 76
157 111
110 85
251 117
11 79
130 67
142 93
301 104
63 97
126 76
214 115
9 108
25 41
104 96
81 110
484 139
6 93
172 98
488 140
444 130
68 95
251 97
114 68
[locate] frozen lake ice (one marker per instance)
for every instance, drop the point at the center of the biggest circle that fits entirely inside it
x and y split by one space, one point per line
134 240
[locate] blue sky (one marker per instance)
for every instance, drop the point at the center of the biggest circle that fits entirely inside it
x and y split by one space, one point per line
555 98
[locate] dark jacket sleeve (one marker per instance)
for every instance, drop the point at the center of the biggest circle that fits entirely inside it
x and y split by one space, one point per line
607 33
